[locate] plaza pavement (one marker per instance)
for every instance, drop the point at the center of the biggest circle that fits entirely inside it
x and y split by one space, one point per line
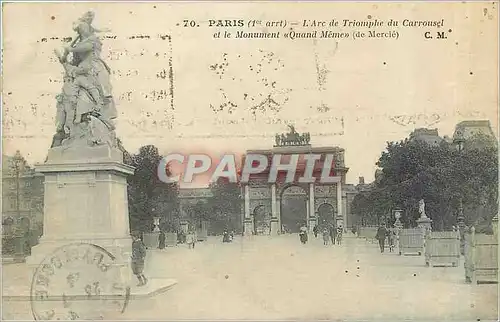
278 278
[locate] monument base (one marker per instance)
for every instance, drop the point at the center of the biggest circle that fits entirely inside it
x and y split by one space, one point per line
85 202
424 223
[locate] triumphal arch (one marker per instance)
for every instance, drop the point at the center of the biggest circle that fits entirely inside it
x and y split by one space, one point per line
264 204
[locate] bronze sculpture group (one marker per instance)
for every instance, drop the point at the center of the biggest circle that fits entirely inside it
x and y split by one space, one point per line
85 107
292 138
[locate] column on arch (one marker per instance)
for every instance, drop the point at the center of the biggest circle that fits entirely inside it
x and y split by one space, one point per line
247 221
340 213
312 220
275 222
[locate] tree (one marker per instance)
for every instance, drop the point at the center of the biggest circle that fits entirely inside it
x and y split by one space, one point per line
148 197
198 212
225 206
439 174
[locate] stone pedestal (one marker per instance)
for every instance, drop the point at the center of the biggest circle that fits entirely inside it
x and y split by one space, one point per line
424 223
274 226
248 226
85 201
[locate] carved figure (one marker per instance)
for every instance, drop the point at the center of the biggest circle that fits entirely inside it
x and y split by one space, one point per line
284 140
307 137
421 208
85 108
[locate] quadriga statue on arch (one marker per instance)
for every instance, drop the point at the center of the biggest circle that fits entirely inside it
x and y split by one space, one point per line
85 107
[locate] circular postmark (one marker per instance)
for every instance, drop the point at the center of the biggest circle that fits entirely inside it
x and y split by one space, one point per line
78 282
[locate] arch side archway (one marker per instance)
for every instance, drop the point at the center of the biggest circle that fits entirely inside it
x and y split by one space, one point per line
294 207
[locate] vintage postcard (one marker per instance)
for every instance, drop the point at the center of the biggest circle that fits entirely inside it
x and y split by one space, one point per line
250 160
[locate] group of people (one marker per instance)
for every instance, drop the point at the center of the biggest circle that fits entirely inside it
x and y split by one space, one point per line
227 237
330 234
189 238
382 234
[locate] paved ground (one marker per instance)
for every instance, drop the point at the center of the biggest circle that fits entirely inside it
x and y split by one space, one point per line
279 278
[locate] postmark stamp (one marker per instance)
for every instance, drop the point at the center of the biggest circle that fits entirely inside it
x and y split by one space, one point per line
78 281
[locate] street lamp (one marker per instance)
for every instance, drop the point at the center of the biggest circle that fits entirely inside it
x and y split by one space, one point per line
459 141
17 163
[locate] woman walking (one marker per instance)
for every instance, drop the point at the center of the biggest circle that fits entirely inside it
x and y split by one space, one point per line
326 236
138 256
303 234
162 238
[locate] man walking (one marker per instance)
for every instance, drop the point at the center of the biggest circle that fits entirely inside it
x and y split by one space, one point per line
333 234
380 236
138 256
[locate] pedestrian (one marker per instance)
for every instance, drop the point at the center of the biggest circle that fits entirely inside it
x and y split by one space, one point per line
190 240
315 231
326 236
339 235
138 256
181 237
390 238
333 233
303 235
225 236
162 238
380 236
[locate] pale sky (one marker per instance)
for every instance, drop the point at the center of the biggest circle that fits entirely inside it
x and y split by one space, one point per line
356 94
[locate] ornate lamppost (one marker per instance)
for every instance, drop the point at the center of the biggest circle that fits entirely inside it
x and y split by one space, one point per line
459 141
398 225
17 167
494 224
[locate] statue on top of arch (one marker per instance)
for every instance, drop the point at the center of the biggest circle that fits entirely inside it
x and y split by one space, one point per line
85 107
292 138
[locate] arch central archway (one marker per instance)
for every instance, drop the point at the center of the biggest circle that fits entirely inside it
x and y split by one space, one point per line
326 216
293 208
261 220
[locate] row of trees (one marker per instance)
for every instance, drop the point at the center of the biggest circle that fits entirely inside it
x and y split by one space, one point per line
444 176
148 197
223 210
